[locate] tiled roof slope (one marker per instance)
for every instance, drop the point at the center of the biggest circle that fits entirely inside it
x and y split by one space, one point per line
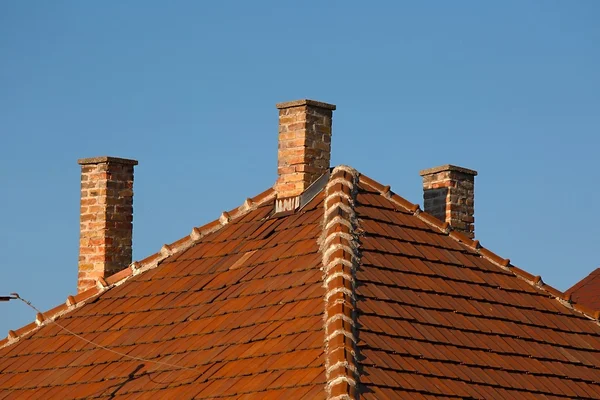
437 319
587 290
357 295
242 311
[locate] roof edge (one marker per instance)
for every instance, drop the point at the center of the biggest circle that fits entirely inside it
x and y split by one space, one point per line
137 267
595 274
338 244
504 263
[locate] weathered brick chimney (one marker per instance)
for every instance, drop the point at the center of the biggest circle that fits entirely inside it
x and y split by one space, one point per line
304 145
106 221
449 194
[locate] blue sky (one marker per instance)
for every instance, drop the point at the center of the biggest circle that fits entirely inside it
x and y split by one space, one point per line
510 89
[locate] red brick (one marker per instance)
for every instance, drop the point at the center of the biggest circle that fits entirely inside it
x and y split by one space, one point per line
304 137
105 219
448 195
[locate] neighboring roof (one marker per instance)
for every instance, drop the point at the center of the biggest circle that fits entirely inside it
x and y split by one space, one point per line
357 292
587 290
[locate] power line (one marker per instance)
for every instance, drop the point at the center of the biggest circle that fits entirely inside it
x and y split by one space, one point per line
15 296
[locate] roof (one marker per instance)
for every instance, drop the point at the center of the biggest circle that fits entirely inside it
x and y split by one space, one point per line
587 290
357 292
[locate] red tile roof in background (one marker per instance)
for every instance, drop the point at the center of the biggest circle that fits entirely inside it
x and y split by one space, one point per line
242 309
587 291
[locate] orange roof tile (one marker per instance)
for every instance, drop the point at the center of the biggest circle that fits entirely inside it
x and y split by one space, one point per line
358 292
446 320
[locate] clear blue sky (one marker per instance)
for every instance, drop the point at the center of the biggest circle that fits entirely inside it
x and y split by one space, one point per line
511 89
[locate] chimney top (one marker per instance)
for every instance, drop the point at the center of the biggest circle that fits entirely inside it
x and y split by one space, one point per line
305 102
447 167
106 218
304 149
449 195
104 159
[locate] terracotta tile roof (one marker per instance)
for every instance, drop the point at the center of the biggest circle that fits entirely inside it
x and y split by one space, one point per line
438 319
587 290
357 292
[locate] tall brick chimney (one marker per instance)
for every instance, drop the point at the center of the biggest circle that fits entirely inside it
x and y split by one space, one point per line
304 145
449 194
106 221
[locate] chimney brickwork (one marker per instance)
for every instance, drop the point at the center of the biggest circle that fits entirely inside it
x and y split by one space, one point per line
304 145
106 219
449 195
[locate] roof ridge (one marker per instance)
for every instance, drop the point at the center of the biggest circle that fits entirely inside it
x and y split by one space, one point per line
339 248
563 298
137 267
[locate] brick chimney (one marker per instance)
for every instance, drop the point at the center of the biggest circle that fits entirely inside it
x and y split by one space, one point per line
106 221
449 194
304 145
